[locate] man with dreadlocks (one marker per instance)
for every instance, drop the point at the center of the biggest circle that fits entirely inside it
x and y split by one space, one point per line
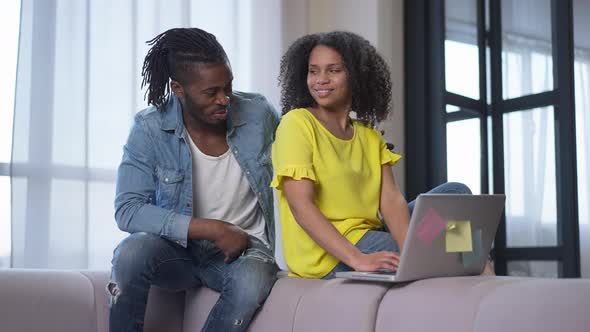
193 187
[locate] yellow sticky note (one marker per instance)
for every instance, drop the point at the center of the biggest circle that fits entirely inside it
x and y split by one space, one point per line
458 236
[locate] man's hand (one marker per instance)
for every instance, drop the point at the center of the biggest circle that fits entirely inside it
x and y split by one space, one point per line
232 240
382 260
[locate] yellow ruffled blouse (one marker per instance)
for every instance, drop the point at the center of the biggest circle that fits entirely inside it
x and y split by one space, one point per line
347 177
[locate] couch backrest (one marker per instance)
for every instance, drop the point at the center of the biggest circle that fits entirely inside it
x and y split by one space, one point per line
44 300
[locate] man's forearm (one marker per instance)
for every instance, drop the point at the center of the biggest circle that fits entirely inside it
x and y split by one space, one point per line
134 215
205 229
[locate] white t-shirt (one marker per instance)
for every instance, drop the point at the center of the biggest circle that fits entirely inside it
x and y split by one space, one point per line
221 191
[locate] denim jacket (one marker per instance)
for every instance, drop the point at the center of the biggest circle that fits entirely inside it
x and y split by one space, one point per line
154 179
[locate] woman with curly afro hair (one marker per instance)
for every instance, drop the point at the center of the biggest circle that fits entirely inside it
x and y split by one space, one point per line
368 76
332 172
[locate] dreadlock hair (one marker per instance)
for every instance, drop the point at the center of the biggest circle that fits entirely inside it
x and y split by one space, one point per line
368 74
172 55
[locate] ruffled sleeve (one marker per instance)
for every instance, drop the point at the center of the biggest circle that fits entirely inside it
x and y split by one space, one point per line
292 150
388 157
294 172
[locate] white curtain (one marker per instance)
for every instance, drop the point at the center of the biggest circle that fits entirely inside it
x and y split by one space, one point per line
78 87
582 86
529 154
529 136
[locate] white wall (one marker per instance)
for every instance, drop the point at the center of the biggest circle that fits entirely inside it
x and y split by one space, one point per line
381 22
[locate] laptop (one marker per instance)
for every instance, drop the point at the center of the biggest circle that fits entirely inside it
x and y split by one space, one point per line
449 235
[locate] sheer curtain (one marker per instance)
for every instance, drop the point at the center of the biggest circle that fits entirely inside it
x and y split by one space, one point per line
529 146
78 87
582 86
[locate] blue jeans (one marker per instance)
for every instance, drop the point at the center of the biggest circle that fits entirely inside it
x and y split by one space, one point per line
142 260
381 240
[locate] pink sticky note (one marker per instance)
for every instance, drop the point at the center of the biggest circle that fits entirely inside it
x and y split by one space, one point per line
430 227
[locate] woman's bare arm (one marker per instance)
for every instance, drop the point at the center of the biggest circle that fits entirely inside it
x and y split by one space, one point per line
393 206
301 198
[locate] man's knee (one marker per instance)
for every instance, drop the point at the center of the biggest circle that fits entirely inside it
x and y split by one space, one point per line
135 253
132 260
134 246
252 279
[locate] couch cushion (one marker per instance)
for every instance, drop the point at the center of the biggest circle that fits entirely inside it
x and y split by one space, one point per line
281 306
428 305
305 305
339 305
198 304
536 305
277 313
165 311
45 300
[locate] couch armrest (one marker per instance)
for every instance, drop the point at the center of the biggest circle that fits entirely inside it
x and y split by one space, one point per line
46 300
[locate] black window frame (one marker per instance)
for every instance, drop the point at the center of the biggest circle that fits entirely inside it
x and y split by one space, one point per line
426 119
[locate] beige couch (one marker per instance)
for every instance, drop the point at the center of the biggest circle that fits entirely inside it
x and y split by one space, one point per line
45 300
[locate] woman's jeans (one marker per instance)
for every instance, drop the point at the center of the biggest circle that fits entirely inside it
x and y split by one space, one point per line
381 240
142 260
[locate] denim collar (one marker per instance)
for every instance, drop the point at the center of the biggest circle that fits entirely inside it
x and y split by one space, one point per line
172 116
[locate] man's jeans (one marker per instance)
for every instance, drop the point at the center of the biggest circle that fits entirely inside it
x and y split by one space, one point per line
143 259
381 240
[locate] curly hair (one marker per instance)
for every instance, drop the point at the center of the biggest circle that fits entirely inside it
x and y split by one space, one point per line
369 78
171 56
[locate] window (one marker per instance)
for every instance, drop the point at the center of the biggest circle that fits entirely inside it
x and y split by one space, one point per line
501 75
9 31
